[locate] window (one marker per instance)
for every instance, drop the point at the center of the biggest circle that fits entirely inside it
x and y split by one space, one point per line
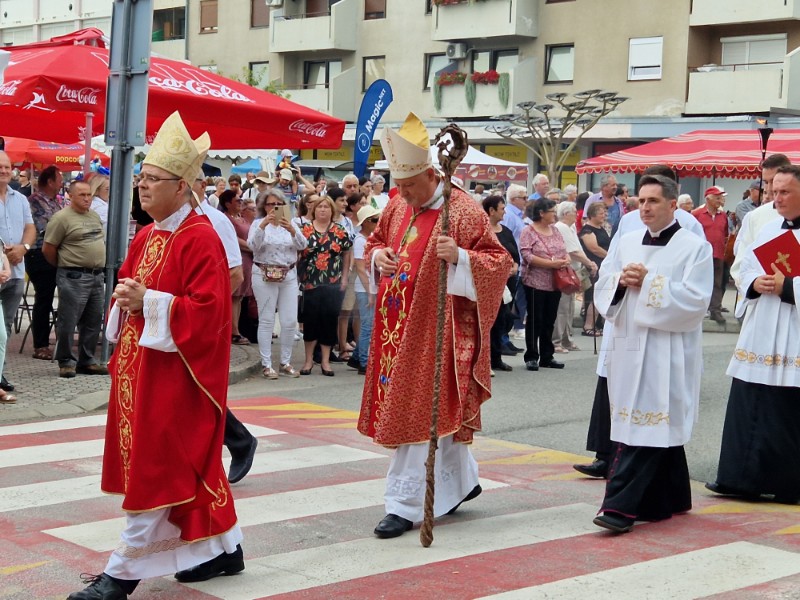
644 58
259 14
169 24
560 64
433 64
428 7
374 69
319 8
501 61
259 74
753 52
374 9
320 72
208 16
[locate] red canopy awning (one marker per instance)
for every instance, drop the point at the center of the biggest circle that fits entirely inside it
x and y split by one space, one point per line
67 157
49 86
702 153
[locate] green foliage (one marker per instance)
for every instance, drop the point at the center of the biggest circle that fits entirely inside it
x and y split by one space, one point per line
274 86
503 86
469 92
437 96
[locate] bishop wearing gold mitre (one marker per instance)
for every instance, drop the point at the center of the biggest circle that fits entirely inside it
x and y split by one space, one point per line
761 437
407 248
169 377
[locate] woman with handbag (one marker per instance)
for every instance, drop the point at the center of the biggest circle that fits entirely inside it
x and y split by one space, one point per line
595 241
275 242
324 270
562 334
543 253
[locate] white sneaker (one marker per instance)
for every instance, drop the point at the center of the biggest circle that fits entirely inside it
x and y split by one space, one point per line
518 334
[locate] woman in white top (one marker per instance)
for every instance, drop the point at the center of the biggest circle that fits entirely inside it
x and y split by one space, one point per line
275 242
100 187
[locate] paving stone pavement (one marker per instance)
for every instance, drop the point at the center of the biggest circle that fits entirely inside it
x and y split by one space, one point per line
40 392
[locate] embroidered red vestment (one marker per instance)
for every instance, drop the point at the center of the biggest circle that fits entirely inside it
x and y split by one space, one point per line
166 414
398 392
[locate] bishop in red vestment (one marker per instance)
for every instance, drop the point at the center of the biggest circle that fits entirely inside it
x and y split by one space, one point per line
408 248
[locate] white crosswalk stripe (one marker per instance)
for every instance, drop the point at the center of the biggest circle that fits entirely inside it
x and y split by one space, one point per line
335 477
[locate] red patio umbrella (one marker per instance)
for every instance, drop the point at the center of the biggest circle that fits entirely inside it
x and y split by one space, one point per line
702 153
50 86
67 157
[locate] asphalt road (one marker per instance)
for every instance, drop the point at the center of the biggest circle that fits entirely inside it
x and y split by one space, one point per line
549 408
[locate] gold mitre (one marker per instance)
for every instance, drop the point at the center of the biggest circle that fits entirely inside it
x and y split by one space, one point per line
407 150
176 152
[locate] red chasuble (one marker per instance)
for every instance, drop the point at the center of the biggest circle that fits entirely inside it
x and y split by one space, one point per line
398 393
166 414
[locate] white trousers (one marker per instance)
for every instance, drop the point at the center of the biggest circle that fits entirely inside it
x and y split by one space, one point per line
151 546
270 296
456 474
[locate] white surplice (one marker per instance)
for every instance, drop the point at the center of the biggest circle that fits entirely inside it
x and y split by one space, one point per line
768 348
655 356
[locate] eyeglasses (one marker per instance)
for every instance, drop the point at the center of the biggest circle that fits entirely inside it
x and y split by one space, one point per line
154 179
274 204
373 220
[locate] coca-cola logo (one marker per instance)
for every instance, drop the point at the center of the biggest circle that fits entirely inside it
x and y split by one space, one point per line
318 129
200 88
9 88
84 95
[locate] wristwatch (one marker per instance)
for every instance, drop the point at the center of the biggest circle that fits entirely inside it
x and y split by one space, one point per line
27 247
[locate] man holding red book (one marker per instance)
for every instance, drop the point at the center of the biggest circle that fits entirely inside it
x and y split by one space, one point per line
761 438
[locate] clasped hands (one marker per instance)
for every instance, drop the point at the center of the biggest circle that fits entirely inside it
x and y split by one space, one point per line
633 275
770 284
446 249
129 294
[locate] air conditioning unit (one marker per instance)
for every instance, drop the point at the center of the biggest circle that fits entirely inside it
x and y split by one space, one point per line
456 51
274 3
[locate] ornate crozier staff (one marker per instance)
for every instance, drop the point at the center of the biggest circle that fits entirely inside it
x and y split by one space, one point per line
451 153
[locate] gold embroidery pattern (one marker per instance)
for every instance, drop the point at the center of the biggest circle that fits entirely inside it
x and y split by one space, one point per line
768 360
133 552
151 258
637 417
222 496
128 353
393 311
654 295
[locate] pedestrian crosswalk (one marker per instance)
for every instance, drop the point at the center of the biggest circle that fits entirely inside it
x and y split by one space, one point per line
315 493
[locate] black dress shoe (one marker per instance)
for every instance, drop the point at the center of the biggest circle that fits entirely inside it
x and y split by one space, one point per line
553 364
240 465
511 346
724 490
476 491
352 362
101 587
598 468
501 366
224 564
334 358
362 370
615 523
532 365
506 351
6 385
392 526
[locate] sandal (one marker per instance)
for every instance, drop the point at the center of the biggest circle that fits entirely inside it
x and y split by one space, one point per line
240 340
6 398
344 356
43 353
591 333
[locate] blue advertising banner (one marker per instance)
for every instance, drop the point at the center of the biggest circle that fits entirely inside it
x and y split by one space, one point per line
377 97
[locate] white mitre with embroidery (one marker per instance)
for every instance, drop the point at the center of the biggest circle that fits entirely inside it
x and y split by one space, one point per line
407 150
176 152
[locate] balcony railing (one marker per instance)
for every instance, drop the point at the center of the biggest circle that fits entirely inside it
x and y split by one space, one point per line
485 19
329 30
730 12
736 89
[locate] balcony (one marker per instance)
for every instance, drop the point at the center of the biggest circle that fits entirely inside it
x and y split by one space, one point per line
297 32
487 98
738 89
175 49
735 12
338 99
485 19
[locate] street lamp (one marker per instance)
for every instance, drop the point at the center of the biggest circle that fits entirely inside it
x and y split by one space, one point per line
539 129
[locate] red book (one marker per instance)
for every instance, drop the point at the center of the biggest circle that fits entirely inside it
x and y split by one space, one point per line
783 251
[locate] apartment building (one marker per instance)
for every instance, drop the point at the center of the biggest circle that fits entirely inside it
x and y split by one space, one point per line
25 21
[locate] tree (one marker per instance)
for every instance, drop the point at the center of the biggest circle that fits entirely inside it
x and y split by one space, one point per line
545 134
274 86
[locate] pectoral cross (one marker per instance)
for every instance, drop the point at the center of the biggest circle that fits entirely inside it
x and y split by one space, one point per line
783 259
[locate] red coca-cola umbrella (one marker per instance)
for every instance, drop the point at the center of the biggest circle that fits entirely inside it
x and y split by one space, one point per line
67 157
49 87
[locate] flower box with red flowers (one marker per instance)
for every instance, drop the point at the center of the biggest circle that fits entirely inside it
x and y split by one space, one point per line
452 78
486 78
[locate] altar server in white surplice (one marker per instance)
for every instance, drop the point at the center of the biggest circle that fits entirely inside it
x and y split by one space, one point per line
761 437
655 288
